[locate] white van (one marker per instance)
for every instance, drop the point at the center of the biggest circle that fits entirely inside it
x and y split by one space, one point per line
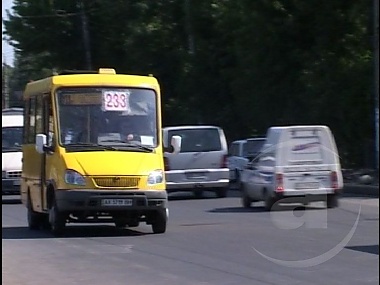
202 162
296 164
12 126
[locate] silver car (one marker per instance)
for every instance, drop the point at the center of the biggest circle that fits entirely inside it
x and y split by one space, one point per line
202 162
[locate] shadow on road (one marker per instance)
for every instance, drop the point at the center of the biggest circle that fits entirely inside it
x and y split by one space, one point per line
175 196
374 249
258 209
70 232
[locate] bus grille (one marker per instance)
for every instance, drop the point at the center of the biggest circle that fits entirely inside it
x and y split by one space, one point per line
117 181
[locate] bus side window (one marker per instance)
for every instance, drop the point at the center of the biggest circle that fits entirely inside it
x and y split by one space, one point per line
48 120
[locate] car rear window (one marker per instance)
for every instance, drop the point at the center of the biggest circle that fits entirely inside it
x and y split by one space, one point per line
198 140
252 147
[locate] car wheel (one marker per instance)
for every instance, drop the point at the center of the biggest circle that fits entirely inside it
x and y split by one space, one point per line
246 202
237 176
34 218
198 193
133 224
159 222
120 224
222 192
332 201
57 220
269 202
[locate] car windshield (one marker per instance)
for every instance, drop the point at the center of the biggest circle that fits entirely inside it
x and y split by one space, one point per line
198 140
90 117
11 139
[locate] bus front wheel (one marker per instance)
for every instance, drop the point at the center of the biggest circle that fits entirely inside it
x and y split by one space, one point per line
34 218
159 222
57 220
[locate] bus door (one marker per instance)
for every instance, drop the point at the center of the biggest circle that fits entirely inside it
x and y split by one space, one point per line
48 130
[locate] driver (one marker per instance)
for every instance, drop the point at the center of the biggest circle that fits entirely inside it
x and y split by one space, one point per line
128 131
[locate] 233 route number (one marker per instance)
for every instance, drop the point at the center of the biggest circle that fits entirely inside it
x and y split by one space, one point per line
116 101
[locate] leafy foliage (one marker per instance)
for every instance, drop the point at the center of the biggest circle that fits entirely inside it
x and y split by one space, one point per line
244 65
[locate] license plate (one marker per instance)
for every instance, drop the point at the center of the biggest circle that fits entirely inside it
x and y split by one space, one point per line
195 175
307 185
116 202
16 183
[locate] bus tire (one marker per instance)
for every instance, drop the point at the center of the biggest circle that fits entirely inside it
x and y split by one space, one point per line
57 220
34 218
159 222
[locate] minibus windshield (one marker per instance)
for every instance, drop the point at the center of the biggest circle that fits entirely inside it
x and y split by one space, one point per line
89 117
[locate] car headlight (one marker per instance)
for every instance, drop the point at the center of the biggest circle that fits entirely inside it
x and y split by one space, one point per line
75 178
155 177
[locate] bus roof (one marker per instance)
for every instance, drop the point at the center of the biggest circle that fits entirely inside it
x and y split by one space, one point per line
105 78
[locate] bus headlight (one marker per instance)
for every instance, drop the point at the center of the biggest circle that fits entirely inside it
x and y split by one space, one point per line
74 178
155 177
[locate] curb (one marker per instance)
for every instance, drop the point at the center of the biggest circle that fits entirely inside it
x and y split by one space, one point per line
367 190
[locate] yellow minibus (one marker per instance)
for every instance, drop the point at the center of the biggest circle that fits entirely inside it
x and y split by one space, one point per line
93 152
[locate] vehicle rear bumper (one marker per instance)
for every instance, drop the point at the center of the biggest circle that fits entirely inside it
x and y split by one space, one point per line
310 195
10 186
208 178
91 200
309 192
191 185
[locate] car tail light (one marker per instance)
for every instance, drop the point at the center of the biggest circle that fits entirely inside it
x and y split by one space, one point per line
279 182
224 163
334 180
166 164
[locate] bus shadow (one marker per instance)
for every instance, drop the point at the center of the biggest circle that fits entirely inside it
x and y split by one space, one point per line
19 233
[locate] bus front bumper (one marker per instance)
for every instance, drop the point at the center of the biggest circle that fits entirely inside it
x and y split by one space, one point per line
111 200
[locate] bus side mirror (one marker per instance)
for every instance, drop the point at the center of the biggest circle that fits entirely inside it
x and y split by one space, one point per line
41 143
176 144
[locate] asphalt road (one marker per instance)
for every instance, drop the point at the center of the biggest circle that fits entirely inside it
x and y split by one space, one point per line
208 241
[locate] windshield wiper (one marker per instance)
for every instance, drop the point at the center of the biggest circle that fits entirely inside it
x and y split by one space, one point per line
131 144
119 141
139 146
109 147
82 144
